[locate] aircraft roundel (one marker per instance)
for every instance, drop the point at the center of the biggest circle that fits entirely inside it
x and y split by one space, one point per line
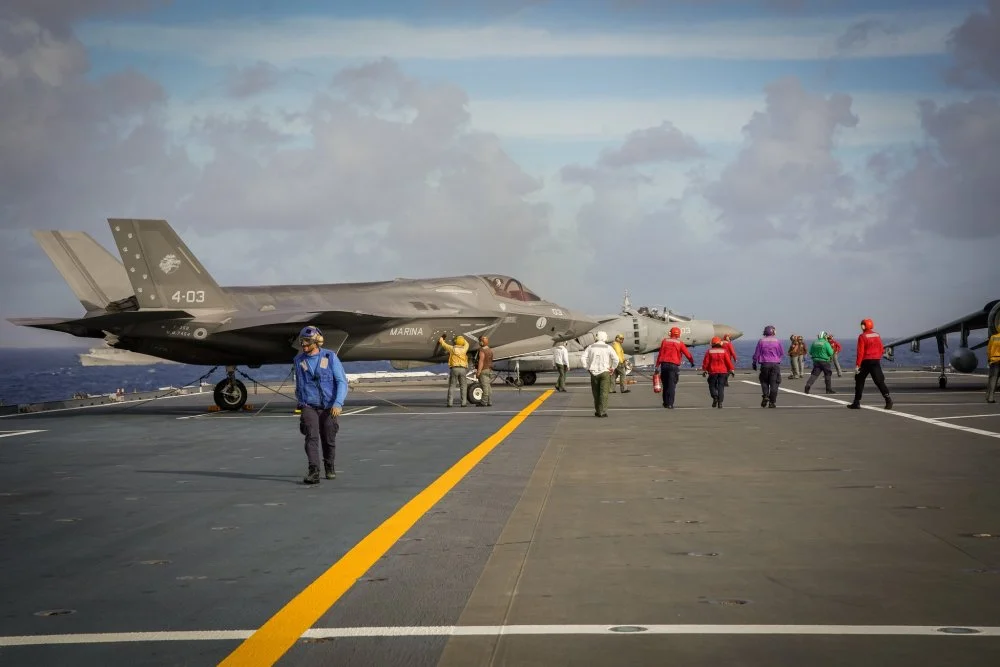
540 323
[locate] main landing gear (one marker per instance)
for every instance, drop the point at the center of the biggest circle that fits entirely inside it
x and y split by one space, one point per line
230 394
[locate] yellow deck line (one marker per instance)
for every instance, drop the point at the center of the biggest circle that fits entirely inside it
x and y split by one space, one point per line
273 639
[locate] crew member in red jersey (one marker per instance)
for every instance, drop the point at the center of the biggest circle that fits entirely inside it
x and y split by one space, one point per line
727 344
669 361
869 362
717 365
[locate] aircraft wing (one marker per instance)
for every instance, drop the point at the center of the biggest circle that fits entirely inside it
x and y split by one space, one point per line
291 322
534 345
989 316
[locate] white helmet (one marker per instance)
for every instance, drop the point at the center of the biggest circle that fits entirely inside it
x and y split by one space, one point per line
602 336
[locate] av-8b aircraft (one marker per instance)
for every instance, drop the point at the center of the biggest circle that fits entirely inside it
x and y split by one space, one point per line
644 329
162 302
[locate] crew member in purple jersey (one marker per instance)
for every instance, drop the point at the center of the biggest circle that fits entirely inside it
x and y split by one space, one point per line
768 356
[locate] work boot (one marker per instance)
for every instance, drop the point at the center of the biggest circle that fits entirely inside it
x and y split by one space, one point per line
763 402
330 472
854 406
719 405
888 403
807 389
771 404
312 477
715 402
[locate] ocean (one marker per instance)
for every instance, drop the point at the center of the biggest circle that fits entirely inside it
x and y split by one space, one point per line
38 374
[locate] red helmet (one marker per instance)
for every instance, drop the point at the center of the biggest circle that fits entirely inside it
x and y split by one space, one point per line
867 324
716 340
675 332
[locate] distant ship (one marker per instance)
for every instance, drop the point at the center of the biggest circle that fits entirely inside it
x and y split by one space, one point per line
110 356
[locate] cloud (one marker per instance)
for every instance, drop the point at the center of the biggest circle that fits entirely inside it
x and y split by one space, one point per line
947 185
786 181
58 16
975 45
242 82
653 144
885 118
860 34
301 38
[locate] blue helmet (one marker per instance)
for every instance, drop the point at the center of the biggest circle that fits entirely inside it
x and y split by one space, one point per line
769 330
310 332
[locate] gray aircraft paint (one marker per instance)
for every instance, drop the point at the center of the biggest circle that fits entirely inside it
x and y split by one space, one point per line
175 310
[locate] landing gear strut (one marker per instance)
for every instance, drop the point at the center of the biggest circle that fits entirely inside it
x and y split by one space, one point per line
942 380
230 394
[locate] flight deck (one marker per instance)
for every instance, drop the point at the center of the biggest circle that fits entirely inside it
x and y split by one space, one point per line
526 533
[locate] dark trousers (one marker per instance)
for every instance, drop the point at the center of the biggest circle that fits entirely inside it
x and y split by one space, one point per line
992 381
668 377
770 378
717 385
871 367
824 368
319 426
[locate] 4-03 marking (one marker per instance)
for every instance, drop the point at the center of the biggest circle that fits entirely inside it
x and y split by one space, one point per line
190 296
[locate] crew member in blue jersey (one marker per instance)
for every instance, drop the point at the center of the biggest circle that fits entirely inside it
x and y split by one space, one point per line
320 389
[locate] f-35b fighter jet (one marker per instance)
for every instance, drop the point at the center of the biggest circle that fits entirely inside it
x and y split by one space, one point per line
162 302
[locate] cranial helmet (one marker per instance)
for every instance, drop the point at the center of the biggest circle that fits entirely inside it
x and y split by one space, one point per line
867 324
675 332
620 337
459 340
821 335
716 340
727 337
310 332
484 340
602 336
769 330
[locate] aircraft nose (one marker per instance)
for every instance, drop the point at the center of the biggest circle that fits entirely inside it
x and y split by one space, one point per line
723 329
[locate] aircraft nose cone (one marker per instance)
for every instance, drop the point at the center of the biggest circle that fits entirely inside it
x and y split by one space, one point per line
723 329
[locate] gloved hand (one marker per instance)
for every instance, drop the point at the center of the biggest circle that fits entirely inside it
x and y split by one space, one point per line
755 365
692 364
704 374
857 369
335 411
732 374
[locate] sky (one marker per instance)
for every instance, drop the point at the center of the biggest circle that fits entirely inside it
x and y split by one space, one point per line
801 163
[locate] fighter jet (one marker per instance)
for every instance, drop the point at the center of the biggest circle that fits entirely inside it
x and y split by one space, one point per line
644 329
963 359
162 302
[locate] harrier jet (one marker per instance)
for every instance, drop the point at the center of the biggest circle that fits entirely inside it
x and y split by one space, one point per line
963 359
162 302
644 329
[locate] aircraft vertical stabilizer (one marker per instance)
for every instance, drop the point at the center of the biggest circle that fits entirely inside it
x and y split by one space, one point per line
93 273
163 272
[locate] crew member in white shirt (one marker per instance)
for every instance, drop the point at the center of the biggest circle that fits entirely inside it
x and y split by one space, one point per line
561 358
600 360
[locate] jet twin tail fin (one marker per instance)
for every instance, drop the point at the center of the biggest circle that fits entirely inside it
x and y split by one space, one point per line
95 276
163 271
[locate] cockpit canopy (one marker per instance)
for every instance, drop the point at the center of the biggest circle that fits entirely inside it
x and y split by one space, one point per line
506 287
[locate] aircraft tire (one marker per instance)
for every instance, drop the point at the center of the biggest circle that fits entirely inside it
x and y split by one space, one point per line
474 393
231 399
528 378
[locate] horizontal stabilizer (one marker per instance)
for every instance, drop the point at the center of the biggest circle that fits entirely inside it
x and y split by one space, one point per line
90 327
93 273
163 271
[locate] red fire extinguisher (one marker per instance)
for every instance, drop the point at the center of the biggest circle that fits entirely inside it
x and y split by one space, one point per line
657 385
